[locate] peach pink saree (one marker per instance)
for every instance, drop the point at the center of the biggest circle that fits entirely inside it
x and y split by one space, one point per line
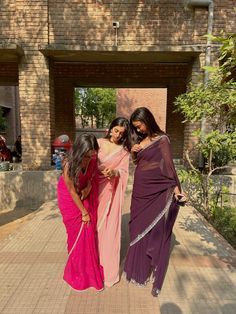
111 198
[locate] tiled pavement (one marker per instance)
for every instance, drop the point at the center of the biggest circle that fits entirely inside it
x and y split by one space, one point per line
201 276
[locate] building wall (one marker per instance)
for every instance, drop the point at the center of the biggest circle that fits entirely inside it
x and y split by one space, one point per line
142 23
128 99
10 103
83 25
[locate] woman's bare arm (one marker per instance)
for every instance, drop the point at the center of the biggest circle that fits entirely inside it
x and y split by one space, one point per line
71 188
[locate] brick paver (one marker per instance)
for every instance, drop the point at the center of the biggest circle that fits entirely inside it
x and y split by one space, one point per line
201 276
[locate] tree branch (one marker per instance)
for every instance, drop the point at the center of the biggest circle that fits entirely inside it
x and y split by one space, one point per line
190 161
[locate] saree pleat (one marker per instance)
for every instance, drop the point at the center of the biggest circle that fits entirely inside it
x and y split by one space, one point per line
153 213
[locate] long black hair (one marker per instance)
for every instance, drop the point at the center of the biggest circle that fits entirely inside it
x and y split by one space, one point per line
83 143
145 116
126 138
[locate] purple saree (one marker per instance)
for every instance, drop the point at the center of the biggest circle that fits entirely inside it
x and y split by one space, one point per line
153 213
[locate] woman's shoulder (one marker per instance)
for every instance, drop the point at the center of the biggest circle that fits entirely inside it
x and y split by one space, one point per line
102 140
125 151
162 138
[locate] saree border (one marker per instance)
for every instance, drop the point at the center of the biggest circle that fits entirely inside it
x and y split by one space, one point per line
114 152
77 238
101 222
154 140
155 221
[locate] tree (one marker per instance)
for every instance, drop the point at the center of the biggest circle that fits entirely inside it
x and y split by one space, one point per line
96 107
216 102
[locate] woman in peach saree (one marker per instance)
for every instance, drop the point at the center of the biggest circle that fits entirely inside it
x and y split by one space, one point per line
78 200
113 163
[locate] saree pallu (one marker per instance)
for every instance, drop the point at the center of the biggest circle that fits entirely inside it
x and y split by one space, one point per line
82 269
111 198
153 213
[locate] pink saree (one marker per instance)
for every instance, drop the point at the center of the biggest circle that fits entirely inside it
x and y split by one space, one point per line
82 269
111 199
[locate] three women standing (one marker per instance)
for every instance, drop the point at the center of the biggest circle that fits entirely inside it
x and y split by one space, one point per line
154 204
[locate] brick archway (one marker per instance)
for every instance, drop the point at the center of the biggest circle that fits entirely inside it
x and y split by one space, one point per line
67 75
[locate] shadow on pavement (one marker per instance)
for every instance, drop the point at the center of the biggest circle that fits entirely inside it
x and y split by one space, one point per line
13 215
170 308
218 246
18 213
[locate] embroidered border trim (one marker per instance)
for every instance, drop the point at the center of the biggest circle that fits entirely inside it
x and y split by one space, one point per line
158 218
133 281
101 222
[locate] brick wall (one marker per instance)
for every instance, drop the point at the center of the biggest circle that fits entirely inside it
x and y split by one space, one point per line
87 25
64 113
29 28
128 99
141 22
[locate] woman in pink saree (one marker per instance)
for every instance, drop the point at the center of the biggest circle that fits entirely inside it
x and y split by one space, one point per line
78 200
113 163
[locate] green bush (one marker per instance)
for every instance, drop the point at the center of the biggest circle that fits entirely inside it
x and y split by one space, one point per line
224 220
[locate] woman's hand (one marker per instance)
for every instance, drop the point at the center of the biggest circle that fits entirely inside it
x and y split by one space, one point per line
85 217
181 199
85 192
136 148
109 173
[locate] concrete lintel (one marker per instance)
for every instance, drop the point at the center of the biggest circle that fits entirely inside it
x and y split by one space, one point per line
199 3
121 54
10 52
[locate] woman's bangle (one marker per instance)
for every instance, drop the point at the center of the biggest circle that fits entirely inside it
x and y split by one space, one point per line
84 215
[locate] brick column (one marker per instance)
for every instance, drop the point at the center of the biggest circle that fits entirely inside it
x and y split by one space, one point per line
174 125
34 84
64 113
35 111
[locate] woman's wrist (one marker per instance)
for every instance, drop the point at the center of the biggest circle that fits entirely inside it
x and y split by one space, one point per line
116 173
84 213
134 156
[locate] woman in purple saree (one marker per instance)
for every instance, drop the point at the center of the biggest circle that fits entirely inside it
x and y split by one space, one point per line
78 201
154 205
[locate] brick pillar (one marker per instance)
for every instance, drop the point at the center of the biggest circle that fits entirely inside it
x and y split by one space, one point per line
35 111
64 113
174 125
30 20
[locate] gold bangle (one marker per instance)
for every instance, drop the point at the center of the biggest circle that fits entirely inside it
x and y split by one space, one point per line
83 215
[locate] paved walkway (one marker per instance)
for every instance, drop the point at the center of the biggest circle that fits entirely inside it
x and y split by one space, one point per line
201 277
